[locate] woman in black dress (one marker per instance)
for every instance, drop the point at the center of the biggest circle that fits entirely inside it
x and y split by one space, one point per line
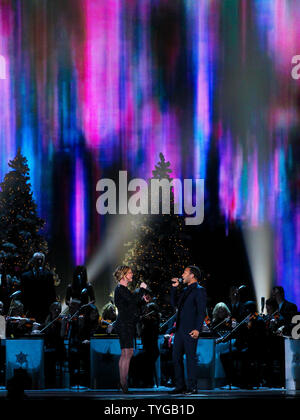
128 312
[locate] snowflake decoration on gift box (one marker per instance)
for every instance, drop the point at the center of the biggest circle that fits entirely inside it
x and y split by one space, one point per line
21 358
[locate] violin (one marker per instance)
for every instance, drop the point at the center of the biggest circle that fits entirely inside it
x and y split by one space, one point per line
102 321
207 320
21 319
251 318
25 324
75 318
272 321
228 322
247 320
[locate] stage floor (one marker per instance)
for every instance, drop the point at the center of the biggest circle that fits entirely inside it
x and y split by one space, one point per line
160 393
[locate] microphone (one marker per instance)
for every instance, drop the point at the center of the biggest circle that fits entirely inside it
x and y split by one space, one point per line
262 304
180 280
15 294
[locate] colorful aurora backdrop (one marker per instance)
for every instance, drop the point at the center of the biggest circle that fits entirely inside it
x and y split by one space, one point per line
96 86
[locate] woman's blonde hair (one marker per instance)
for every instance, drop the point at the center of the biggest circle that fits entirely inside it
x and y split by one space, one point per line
220 305
120 272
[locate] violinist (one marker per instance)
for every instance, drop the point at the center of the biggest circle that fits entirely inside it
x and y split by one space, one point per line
90 323
73 321
272 319
109 312
107 318
248 349
17 325
221 318
275 366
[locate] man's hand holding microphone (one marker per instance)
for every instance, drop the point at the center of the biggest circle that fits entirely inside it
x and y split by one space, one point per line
175 281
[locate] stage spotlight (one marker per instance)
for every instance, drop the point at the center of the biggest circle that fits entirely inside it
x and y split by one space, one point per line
111 250
258 242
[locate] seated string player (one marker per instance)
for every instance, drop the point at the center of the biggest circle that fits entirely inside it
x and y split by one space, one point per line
108 317
221 319
90 327
17 324
242 361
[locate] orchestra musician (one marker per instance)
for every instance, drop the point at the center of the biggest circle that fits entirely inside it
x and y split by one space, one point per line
72 325
17 324
249 349
236 306
275 364
38 290
127 304
221 318
286 310
90 325
80 288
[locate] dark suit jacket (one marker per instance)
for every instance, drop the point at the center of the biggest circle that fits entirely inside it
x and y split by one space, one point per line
238 311
38 292
191 304
287 311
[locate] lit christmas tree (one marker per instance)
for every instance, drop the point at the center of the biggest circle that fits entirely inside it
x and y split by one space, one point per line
158 251
19 222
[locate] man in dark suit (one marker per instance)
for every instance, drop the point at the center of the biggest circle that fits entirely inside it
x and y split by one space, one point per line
38 291
191 310
237 308
286 309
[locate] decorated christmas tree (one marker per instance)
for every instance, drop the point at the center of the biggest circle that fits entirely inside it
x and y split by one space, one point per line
158 252
19 222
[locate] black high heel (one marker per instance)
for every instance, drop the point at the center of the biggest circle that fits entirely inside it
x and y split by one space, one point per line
124 388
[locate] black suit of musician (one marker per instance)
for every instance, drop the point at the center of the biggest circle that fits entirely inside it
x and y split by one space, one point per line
38 291
191 304
286 309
